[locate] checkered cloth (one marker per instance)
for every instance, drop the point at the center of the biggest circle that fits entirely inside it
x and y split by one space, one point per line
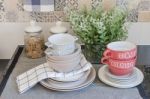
30 78
38 5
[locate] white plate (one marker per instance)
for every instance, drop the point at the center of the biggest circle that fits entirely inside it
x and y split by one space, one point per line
86 83
69 79
64 85
106 80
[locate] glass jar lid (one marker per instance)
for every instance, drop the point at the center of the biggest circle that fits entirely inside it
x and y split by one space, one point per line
33 28
58 28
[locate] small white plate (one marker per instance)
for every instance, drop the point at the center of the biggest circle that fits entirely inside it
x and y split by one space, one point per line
133 83
84 84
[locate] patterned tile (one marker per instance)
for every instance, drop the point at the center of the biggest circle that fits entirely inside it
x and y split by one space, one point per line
2 18
2 11
20 5
11 16
59 5
19 15
96 3
72 4
47 17
133 15
144 6
2 5
122 3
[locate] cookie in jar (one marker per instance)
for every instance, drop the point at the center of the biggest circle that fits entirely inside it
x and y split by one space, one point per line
34 41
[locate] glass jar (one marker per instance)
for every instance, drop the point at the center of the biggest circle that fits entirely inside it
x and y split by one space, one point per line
34 41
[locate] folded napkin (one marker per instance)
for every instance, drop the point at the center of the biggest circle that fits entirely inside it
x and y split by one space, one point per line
38 5
30 78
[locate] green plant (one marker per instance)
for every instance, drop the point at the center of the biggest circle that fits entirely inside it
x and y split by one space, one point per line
97 27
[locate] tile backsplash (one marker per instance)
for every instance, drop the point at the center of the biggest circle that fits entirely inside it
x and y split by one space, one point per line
12 10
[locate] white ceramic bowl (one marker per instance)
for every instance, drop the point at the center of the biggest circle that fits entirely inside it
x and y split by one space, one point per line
64 66
76 54
61 43
69 79
50 51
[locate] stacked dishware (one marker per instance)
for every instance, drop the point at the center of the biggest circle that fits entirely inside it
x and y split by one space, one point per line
120 71
64 56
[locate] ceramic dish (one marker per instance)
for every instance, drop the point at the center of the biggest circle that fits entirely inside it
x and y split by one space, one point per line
64 66
124 77
69 79
50 51
106 80
86 83
63 85
76 53
62 42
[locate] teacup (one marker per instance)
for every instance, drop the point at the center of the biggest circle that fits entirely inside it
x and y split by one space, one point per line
119 67
61 43
121 50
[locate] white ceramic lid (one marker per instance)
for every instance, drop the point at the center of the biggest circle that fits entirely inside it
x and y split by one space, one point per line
58 28
33 28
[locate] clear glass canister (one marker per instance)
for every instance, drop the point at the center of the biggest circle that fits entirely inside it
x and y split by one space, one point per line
34 41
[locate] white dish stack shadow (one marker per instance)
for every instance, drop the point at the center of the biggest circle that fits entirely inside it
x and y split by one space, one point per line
64 56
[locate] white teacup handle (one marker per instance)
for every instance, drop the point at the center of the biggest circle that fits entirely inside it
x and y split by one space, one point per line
48 44
75 38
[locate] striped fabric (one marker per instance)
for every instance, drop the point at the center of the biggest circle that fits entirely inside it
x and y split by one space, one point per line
38 5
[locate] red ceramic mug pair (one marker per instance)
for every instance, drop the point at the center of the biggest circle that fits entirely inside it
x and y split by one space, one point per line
120 57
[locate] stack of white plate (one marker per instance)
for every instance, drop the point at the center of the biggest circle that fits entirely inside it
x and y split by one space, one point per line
126 81
71 83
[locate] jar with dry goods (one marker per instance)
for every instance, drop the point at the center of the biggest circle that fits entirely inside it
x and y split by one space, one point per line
34 41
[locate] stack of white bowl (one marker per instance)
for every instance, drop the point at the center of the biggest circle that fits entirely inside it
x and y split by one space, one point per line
64 56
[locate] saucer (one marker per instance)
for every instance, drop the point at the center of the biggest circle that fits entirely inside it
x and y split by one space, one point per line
81 85
123 83
124 77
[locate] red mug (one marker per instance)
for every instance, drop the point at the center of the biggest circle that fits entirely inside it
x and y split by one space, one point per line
119 67
121 50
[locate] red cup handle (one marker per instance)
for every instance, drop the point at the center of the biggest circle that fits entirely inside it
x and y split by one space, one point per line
104 60
106 53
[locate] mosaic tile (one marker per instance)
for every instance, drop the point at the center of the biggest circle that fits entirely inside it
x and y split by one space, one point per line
133 15
48 17
19 15
96 3
2 11
59 5
20 5
2 5
2 18
11 16
122 3
23 16
144 5
72 4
